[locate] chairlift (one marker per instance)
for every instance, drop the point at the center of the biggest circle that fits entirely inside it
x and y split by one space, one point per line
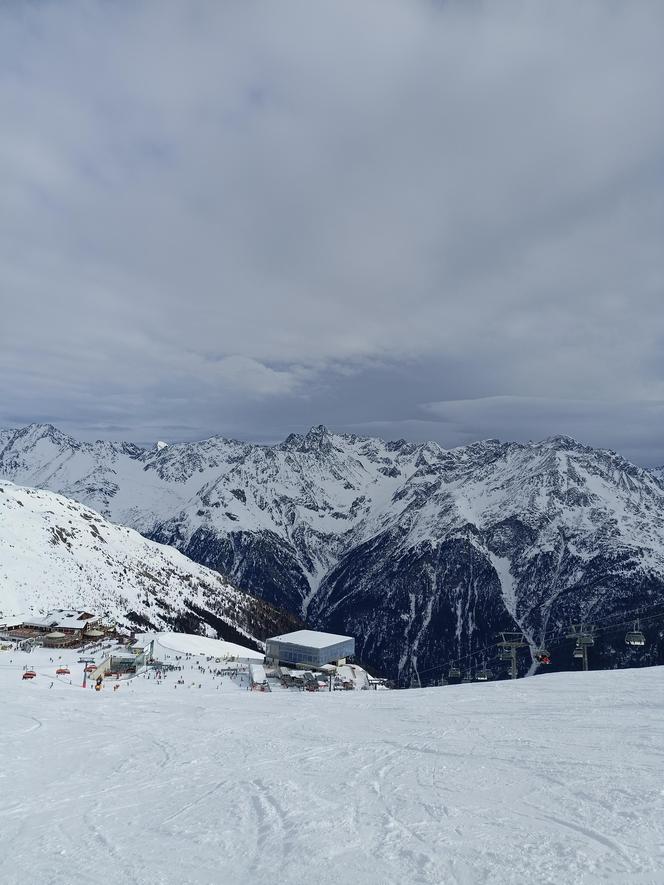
454 673
578 651
483 675
543 656
466 679
504 654
635 637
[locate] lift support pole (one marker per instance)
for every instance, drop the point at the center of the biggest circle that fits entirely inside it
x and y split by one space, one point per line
513 642
85 671
583 633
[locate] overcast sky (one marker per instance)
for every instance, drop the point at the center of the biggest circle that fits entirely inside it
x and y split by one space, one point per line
431 220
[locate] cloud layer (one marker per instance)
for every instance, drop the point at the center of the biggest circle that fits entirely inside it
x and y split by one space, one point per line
249 217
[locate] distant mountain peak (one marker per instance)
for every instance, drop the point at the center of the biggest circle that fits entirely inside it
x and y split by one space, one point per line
562 441
317 438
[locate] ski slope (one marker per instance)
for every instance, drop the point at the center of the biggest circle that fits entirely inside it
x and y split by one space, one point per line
187 644
558 778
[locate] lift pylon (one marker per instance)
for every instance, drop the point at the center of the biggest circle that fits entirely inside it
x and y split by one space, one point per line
584 635
511 643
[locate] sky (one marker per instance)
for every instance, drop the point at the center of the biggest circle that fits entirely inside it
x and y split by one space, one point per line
401 218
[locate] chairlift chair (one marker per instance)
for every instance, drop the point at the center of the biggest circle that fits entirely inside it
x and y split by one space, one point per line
454 673
578 651
543 656
483 675
466 679
635 637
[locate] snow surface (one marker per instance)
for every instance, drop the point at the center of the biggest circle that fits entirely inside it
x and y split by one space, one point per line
553 779
188 643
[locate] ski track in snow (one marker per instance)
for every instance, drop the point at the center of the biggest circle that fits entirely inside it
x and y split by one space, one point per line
551 779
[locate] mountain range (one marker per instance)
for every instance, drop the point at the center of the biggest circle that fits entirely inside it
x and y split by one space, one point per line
421 553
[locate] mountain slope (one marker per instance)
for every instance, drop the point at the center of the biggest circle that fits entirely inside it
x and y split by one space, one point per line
57 553
421 553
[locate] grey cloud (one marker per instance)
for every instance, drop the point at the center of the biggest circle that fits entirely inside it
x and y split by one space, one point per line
247 218
629 426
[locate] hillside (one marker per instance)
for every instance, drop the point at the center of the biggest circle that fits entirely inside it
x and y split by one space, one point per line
551 779
421 553
56 553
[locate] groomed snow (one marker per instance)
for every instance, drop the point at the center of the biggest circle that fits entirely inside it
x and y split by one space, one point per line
553 779
188 643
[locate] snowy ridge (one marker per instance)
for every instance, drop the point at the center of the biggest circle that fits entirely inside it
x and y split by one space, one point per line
55 552
419 552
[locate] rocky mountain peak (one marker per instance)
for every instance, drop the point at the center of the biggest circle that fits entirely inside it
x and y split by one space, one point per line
317 439
563 443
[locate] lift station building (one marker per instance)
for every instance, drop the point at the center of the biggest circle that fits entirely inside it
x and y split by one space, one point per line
309 647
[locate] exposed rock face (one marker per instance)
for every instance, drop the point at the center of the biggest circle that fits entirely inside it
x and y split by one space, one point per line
421 553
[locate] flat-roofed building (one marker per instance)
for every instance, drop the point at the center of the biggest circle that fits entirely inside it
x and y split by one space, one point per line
309 647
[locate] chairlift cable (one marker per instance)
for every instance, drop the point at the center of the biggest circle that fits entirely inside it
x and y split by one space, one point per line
551 638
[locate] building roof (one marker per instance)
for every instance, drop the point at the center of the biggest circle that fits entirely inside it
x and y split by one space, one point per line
310 638
10 622
40 622
70 623
55 635
70 618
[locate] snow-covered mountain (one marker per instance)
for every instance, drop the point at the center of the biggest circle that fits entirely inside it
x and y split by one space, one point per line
421 553
56 553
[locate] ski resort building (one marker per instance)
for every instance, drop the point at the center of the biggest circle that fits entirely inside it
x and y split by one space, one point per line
57 639
75 624
309 647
